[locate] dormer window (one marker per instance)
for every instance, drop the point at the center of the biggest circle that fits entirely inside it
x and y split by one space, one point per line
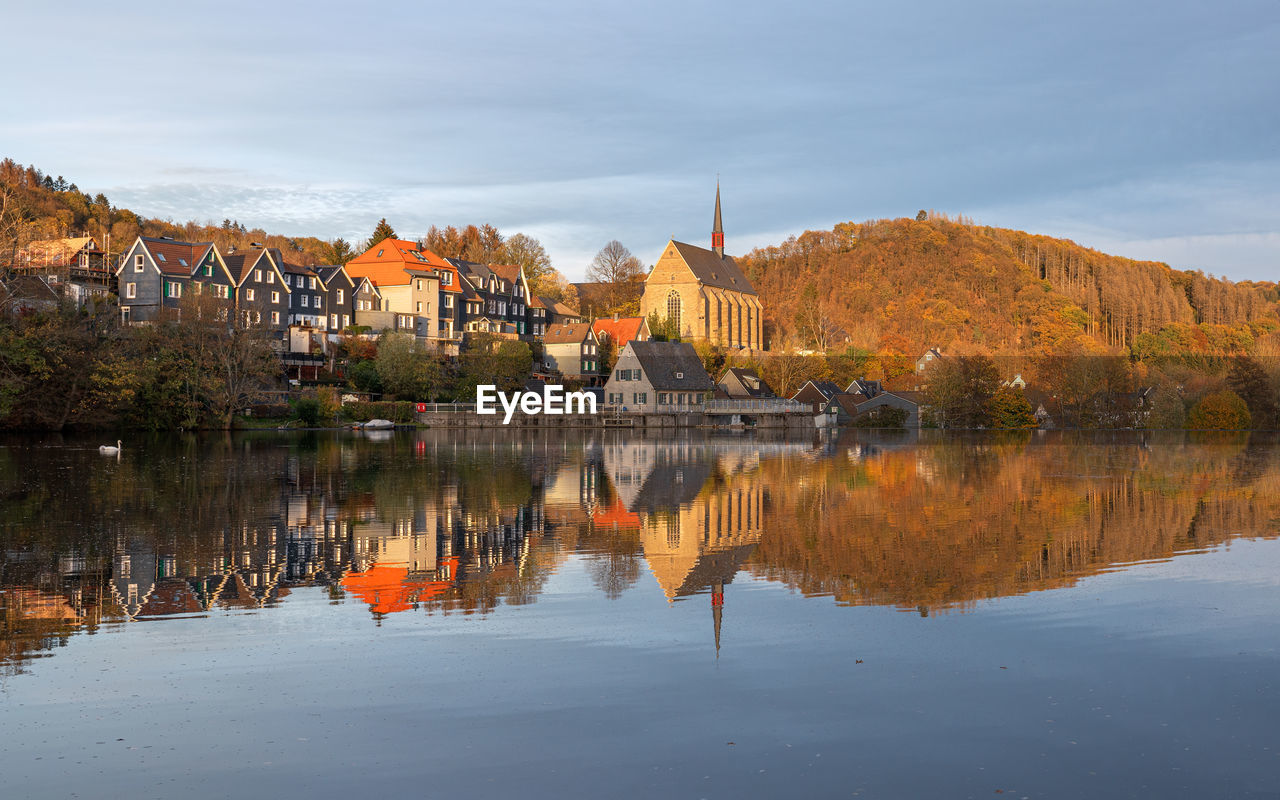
679 376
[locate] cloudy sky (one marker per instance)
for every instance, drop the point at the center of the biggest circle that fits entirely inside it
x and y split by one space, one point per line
1144 129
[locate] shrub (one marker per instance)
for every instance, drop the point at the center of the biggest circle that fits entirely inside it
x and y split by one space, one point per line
308 411
1223 410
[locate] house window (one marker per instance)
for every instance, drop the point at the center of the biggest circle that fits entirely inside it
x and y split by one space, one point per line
312 281
679 376
275 297
446 279
640 398
271 277
131 290
333 320
208 270
138 262
124 315
346 320
275 317
340 297
257 275
318 299
418 283
418 307
172 289
448 301
305 301
248 295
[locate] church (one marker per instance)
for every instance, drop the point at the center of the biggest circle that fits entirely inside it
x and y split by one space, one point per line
705 293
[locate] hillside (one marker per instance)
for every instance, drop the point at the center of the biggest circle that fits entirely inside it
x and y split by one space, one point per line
902 285
36 206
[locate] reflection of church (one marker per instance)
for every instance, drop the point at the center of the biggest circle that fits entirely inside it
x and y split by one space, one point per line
699 513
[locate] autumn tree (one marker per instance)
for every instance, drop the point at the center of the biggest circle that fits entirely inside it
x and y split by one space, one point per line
814 325
614 267
1223 410
406 369
1247 379
1009 408
528 253
1167 411
960 390
489 360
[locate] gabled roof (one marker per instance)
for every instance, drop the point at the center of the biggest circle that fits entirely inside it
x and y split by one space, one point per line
173 257
672 366
242 263
385 263
712 270
27 289
329 272
60 249
556 307
508 272
568 334
297 269
816 391
864 386
621 330
751 382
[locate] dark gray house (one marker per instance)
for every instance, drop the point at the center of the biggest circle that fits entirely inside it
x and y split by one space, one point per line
742 383
154 274
658 377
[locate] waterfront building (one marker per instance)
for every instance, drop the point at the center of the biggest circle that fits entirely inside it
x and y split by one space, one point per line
658 377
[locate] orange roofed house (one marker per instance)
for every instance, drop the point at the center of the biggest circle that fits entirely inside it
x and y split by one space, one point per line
417 291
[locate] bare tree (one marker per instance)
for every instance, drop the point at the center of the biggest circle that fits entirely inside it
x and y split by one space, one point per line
614 267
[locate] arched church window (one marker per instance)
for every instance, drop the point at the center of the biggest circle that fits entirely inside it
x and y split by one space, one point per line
673 309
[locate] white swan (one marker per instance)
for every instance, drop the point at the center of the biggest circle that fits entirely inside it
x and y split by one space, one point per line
108 450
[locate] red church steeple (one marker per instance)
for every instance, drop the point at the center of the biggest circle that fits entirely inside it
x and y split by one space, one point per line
717 230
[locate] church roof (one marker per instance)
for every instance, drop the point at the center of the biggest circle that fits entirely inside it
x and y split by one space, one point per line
712 270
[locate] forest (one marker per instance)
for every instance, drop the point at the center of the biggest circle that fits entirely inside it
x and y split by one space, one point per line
900 286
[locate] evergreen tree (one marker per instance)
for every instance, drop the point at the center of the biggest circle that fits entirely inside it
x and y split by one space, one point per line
383 231
1247 379
1008 408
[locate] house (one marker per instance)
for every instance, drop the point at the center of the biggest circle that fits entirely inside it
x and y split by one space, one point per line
501 293
26 294
923 362
860 409
571 350
704 293
261 293
621 330
817 394
65 258
339 298
306 297
155 271
403 273
656 377
741 383
558 313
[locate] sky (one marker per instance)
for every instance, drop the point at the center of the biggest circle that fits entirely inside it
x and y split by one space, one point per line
1143 129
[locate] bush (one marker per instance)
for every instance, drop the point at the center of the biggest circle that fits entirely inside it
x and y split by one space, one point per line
882 417
401 413
308 411
1220 411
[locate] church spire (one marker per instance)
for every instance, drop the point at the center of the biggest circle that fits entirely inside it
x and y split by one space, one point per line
717 231
717 611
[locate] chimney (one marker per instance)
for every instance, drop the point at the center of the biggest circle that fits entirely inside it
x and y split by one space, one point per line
615 316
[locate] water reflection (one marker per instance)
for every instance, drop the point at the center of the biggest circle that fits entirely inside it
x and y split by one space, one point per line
463 523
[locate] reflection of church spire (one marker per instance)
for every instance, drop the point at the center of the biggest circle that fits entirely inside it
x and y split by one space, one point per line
717 610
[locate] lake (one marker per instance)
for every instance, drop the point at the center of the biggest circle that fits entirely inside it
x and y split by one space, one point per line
548 614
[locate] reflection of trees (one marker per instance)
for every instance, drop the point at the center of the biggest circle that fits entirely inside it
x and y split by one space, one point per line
236 521
911 528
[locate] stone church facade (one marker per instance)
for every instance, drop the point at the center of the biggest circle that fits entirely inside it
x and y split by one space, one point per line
705 293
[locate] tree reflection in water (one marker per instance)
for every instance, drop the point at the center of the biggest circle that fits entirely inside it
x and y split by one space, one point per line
463 522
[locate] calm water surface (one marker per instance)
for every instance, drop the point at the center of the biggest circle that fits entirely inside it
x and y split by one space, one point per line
429 614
